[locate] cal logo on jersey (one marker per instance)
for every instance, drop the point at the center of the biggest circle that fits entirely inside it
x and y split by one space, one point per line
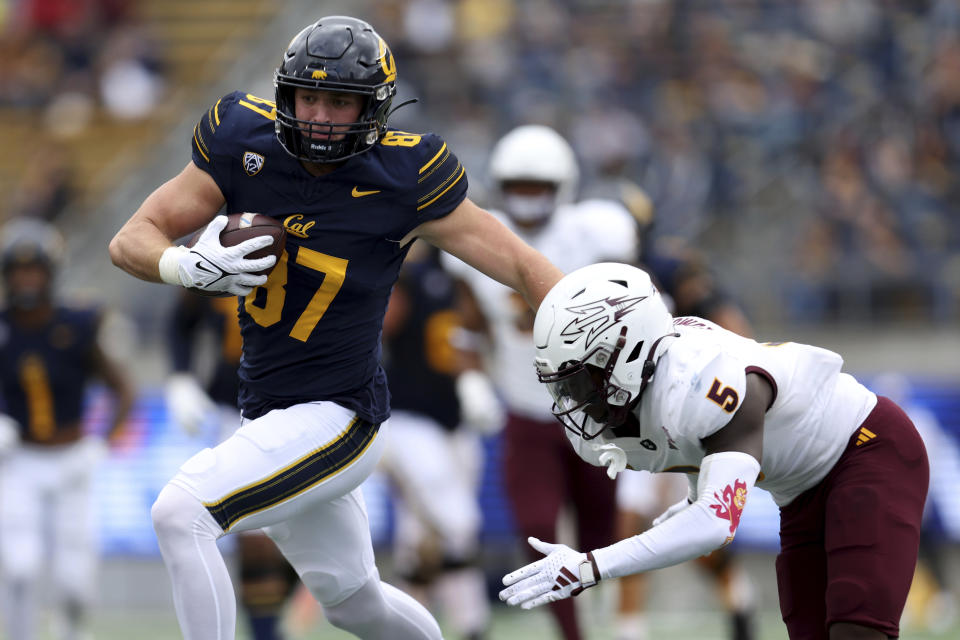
252 163
295 225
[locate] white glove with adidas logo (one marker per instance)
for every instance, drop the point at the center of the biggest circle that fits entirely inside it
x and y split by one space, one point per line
563 573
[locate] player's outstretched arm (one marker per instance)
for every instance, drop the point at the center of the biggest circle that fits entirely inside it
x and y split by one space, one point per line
479 239
727 475
179 206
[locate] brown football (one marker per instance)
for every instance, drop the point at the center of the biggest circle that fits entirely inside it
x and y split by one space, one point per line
243 226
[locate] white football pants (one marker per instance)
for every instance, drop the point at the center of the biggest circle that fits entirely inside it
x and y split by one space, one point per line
296 473
45 495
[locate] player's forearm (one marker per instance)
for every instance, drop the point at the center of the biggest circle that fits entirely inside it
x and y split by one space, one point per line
477 238
537 275
137 248
685 536
724 481
180 206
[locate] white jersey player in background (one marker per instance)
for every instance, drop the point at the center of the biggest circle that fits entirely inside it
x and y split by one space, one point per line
535 175
637 388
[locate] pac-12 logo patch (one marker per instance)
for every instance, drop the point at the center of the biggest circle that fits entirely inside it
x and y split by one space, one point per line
252 162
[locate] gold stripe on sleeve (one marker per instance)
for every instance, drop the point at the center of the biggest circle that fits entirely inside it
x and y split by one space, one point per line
455 181
434 158
200 145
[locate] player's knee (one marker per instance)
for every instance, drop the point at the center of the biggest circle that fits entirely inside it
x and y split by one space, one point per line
166 516
361 610
75 578
177 514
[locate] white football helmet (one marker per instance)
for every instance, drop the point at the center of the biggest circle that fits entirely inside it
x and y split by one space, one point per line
534 153
598 335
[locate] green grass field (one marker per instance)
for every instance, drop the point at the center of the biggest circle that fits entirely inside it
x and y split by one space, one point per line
507 625
136 605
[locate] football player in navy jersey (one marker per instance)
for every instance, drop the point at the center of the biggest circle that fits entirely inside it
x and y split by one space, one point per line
352 194
49 353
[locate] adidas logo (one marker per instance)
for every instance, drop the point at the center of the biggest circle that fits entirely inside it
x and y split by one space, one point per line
564 581
865 436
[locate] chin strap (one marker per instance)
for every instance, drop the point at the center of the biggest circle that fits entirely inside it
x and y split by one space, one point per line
650 365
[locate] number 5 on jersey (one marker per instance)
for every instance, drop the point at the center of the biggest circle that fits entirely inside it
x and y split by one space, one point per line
726 397
334 272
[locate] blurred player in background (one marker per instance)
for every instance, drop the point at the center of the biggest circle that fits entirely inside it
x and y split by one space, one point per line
642 389
267 579
440 404
535 173
353 194
690 290
49 355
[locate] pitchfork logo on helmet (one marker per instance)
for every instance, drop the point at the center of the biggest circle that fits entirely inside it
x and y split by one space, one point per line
593 318
596 381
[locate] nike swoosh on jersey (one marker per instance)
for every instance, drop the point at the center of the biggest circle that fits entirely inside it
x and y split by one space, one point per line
356 193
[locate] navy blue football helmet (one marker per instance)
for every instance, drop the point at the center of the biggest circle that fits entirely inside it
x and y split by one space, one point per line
30 241
336 53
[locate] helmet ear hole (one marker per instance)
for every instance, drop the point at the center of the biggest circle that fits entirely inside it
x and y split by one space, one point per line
635 353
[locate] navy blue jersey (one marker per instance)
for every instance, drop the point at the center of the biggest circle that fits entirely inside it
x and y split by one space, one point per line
194 314
44 371
422 360
312 332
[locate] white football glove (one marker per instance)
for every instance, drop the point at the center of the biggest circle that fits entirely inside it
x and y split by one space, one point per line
480 407
210 266
671 511
563 573
613 458
188 404
9 434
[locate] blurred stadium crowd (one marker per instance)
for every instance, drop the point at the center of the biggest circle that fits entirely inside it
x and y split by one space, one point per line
65 57
65 68
810 148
